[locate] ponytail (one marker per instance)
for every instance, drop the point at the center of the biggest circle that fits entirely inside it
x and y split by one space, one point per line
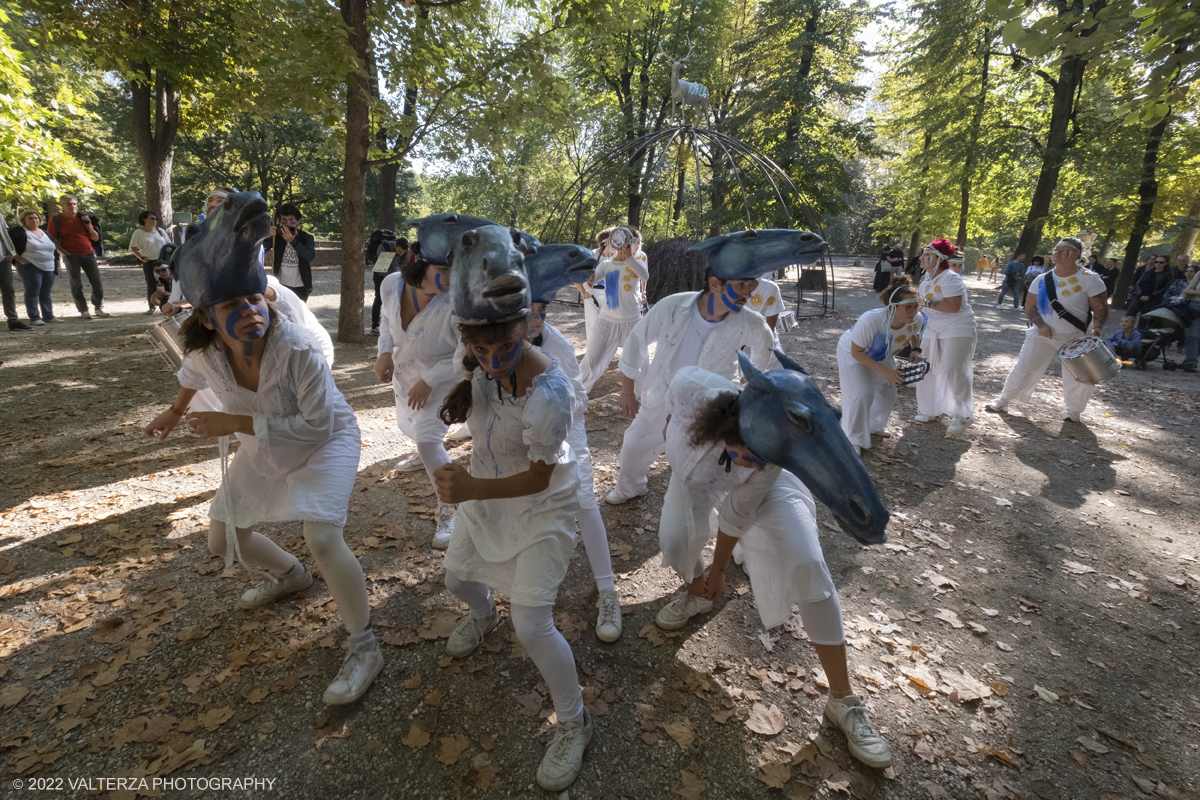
457 405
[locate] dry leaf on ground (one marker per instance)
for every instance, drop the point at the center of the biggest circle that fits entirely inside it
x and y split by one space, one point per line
767 721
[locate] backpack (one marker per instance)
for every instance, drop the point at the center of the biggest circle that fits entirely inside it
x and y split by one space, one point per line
98 245
381 241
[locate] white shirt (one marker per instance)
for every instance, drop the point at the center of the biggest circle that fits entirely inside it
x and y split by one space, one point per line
872 334
289 267
1073 293
688 352
148 243
291 306
766 299
668 324
39 249
426 350
621 298
946 284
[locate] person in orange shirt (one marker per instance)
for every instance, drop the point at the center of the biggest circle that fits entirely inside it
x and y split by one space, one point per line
73 236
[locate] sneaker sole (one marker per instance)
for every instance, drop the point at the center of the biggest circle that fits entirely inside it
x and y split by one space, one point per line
854 751
345 700
676 626
242 605
439 545
604 638
565 781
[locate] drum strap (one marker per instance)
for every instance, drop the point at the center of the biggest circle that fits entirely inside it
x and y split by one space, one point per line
1059 308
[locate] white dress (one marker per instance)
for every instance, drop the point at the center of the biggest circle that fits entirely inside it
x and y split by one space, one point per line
867 400
424 352
555 345
769 511
301 462
520 546
949 345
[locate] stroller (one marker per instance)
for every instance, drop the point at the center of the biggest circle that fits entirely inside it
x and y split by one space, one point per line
1160 329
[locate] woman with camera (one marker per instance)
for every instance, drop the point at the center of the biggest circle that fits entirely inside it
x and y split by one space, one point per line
293 251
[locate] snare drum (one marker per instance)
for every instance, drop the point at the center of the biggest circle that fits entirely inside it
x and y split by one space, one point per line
1089 360
166 339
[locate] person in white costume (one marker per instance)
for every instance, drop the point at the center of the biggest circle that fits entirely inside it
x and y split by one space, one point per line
949 341
867 362
770 517
1082 308
617 287
704 329
514 530
418 337
591 306
298 459
591 525
767 300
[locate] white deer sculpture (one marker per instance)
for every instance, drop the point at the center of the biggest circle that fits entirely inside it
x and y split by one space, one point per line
686 92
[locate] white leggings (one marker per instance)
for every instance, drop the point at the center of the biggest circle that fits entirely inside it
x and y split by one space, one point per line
340 569
434 457
822 618
595 542
536 633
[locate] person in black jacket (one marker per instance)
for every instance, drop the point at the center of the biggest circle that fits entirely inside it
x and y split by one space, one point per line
293 251
1148 292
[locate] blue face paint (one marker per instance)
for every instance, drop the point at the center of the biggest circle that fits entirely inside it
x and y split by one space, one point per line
235 317
745 461
505 364
416 305
437 281
710 304
728 297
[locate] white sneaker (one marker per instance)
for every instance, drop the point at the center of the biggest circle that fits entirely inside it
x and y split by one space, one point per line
957 425
675 614
849 715
999 305
411 464
39 322
469 632
997 406
564 758
445 525
458 433
615 498
857 450
359 669
608 621
374 331
922 418
269 591
1069 417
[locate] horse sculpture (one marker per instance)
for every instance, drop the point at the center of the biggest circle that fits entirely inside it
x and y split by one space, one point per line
686 92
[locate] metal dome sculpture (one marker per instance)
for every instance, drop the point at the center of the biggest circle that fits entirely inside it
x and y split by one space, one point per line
711 150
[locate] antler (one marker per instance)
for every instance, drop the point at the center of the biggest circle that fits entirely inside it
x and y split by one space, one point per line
691 47
664 52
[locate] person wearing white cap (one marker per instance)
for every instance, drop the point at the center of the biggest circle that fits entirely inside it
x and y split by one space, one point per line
949 340
1063 305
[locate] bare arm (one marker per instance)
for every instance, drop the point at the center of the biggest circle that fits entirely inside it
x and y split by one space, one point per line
1099 306
947 305
455 484
859 353
1035 319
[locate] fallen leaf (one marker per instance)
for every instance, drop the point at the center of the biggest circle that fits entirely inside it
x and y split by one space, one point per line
414 682
487 741
998 688
935 792
775 774
767 721
693 787
1003 502
946 615
681 732
452 747
1076 568
213 718
417 737
1092 744
1045 789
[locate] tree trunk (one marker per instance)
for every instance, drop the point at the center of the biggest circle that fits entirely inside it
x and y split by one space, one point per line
1105 245
354 183
155 118
919 212
677 209
1066 90
973 144
1186 239
387 195
1147 196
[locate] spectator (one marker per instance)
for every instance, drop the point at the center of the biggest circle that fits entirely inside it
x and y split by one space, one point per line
398 258
1181 265
982 264
1175 290
1013 273
1109 275
1037 265
8 252
293 251
147 243
883 273
1151 288
1191 346
73 235
895 258
35 261
994 269
1137 276
1127 342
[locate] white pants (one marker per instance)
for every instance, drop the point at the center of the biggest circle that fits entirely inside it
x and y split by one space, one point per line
534 626
1036 354
340 569
867 400
948 388
642 444
602 344
590 312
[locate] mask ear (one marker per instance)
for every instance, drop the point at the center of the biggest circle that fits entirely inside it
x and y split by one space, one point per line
753 376
788 363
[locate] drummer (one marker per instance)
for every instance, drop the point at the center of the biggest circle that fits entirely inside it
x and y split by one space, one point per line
1078 308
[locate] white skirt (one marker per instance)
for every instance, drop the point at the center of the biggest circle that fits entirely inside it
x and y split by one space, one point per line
530 578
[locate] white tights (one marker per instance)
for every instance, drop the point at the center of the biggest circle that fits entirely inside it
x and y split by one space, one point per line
340 569
536 633
434 457
595 542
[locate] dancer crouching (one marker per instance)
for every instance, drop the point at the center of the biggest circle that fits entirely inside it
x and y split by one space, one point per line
867 364
514 528
770 513
417 340
591 525
299 439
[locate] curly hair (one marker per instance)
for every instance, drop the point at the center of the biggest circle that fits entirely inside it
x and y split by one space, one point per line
457 405
716 420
